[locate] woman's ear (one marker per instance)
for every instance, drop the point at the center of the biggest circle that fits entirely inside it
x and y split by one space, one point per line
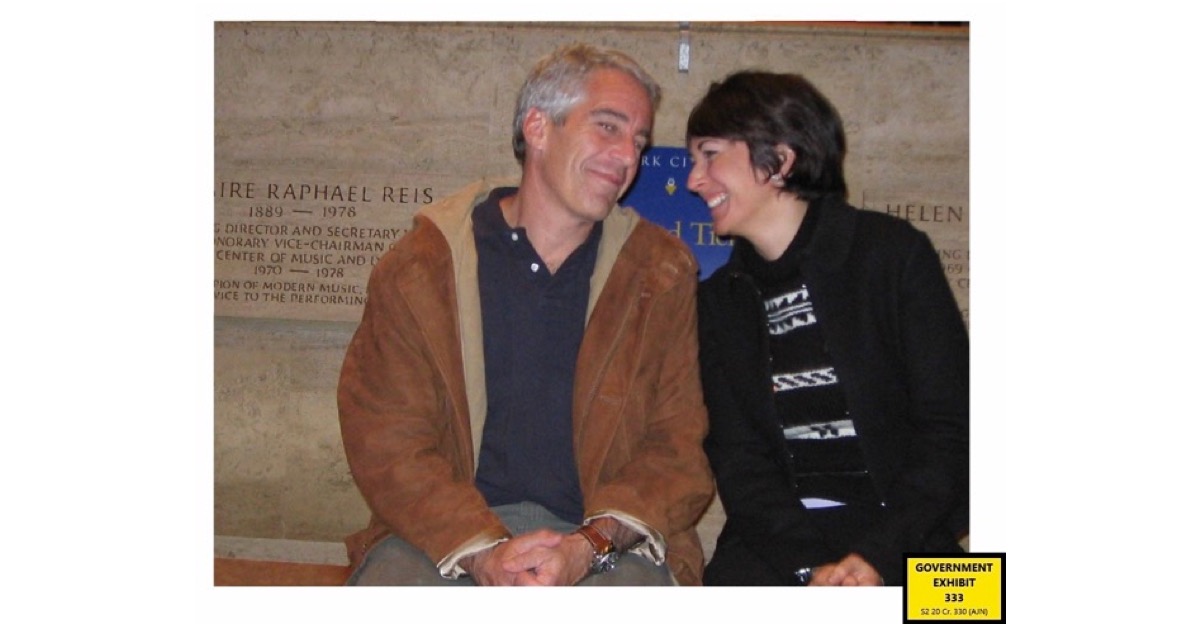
787 160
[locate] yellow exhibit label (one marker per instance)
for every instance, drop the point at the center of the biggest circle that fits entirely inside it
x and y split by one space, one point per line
954 588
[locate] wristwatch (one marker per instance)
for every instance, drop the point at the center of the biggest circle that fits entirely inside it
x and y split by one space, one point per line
604 552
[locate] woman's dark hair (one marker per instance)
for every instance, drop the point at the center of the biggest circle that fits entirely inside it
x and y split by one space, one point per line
764 110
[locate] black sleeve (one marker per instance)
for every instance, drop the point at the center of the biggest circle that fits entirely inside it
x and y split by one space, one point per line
927 502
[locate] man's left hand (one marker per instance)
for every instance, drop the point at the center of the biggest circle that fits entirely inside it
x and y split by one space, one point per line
563 565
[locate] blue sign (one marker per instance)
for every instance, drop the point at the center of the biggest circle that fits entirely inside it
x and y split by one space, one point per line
660 195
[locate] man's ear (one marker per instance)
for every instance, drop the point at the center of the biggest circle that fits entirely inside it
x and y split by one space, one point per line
535 127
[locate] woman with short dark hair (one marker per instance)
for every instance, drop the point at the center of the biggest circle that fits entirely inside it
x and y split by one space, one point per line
833 354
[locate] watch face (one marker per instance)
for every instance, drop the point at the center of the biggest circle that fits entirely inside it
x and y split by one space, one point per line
605 562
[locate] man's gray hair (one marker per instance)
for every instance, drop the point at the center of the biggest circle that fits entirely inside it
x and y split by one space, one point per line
557 81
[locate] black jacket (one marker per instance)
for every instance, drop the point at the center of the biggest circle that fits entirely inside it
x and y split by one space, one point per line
899 345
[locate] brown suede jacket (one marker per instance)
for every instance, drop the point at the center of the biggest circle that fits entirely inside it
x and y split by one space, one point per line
412 396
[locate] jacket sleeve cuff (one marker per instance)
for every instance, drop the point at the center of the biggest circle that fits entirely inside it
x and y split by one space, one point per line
449 566
653 548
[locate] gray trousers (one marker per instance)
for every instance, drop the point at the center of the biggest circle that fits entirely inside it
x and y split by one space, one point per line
394 562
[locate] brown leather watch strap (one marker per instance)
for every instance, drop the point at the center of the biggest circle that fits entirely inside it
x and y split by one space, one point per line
601 544
604 552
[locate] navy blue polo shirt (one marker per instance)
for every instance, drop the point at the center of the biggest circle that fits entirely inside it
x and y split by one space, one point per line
533 323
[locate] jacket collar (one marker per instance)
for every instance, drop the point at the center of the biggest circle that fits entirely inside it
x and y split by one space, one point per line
452 216
826 250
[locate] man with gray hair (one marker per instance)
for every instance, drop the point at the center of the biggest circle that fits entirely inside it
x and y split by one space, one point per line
521 403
